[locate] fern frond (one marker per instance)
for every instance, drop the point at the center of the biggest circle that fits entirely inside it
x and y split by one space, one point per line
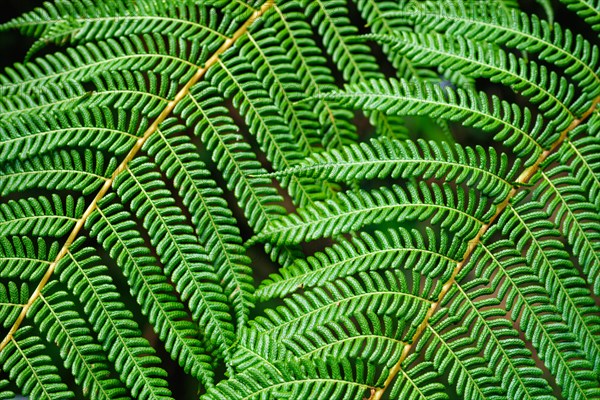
336 379
384 158
55 98
34 372
514 126
577 219
72 170
274 69
427 238
422 384
233 156
55 317
470 373
40 217
236 79
460 212
374 13
80 63
295 35
550 92
25 258
554 343
429 254
353 58
115 230
482 341
35 135
12 299
178 159
77 21
369 337
184 259
582 153
368 291
589 10
565 287
577 57
87 278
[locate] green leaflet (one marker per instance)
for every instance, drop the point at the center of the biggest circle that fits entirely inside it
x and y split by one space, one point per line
301 199
383 158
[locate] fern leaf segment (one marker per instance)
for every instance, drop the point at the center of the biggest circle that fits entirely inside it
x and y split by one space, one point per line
576 56
114 228
515 127
54 315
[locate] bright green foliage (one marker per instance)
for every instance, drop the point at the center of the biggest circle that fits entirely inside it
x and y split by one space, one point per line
423 175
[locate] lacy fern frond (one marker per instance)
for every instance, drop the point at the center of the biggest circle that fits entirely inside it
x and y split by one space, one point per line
303 199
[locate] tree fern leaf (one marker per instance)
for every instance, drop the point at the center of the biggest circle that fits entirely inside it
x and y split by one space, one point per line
35 136
589 10
34 372
472 377
273 67
54 316
40 217
79 63
515 29
265 123
388 291
564 286
165 140
72 170
353 210
330 17
178 159
503 353
550 92
87 278
234 157
185 260
336 379
374 13
254 348
383 158
22 257
582 152
555 345
114 229
537 299
55 98
145 92
353 59
88 22
12 299
295 35
512 125
430 256
236 79
421 384
369 337
577 219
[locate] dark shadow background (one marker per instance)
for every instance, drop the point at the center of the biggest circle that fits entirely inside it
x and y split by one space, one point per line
13 46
